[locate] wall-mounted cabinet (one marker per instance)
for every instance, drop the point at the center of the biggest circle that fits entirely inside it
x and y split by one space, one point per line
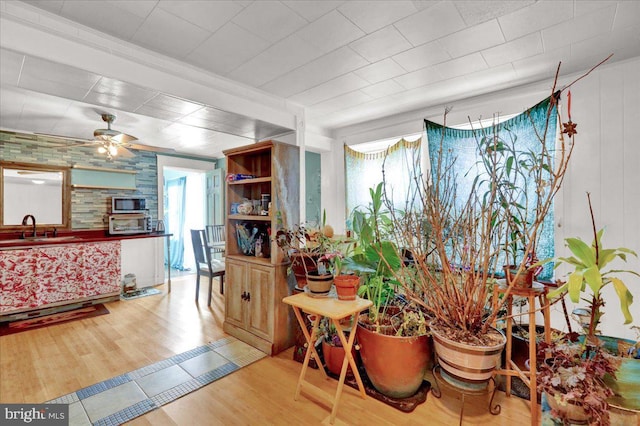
256 285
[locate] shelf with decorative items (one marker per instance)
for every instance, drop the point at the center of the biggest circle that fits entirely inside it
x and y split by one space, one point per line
262 193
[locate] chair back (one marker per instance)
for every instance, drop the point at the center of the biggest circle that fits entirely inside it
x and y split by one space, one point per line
200 249
215 233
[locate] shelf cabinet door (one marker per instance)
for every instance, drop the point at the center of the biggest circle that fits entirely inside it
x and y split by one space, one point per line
261 280
235 277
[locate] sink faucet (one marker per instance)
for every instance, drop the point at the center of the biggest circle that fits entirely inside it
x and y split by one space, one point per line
33 220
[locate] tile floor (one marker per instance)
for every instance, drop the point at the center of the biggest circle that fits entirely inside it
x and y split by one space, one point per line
122 398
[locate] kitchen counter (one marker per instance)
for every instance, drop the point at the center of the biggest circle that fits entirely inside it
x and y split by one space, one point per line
12 240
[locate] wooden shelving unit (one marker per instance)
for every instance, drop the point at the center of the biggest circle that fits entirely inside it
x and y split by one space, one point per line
255 286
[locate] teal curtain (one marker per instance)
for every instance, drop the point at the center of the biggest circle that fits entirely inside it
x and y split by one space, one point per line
174 217
399 163
463 146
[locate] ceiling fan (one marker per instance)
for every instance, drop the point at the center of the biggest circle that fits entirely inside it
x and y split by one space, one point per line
111 142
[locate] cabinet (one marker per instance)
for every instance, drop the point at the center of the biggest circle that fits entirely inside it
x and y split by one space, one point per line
255 286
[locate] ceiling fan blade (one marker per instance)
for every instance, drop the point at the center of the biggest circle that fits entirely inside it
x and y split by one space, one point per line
124 152
123 138
66 138
141 147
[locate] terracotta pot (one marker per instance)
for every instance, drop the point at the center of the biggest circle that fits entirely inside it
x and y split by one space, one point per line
333 358
319 284
523 279
467 362
569 410
347 286
395 365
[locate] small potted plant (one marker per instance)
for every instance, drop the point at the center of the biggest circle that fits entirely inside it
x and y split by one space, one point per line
332 349
571 375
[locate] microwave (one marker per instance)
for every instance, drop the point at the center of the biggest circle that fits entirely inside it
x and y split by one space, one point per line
128 205
129 223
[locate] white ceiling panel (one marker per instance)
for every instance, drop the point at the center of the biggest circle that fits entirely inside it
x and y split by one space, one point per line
271 20
380 71
431 24
373 15
338 86
529 45
422 56
227 49
312 10
473 39
381 44
330 32
209 15
341 62
543 14
169 34
475 12
336 63
580 28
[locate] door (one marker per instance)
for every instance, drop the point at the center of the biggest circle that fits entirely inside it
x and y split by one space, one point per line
216 199
261 280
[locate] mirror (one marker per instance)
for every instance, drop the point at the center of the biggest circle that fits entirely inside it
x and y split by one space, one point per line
33 189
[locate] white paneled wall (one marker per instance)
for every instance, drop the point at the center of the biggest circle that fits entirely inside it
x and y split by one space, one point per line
606 163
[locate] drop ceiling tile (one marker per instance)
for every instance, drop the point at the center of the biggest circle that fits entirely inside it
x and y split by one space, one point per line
543 65
159 113
169 34
529 45
227 48
102 16
587 6
474 12
330 89
380 71
132 94
419 78
382 89
330 32
462 66
492 78
270 20
370 16
325 68
341 102
422 56
381 44
138 8
580 28
542 14
621 43
54 6
10 67
432 23
628 14
277 60
473 39
209 15
312 10
56 79
172 104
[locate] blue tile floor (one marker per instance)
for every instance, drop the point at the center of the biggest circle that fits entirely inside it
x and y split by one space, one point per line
125 397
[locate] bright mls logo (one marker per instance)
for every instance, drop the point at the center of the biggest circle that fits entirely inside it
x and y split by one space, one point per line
34 414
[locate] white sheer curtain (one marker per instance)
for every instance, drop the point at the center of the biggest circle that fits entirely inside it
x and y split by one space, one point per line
401 161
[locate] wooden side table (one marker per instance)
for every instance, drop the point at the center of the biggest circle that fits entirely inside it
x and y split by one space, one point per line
511 368
335 310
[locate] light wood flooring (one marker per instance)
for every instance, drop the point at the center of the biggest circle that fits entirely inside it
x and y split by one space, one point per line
40 365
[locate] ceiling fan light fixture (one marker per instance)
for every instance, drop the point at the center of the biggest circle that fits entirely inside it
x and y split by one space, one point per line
113 150
102 149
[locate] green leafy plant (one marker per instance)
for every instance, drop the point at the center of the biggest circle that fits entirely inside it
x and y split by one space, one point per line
590 272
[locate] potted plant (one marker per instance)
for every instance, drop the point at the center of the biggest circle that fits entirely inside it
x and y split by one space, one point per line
393 336
571 375
332 350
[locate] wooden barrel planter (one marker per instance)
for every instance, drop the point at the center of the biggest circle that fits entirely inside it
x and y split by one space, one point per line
319 284
468 362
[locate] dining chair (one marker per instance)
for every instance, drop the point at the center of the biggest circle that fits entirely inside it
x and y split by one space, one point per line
205 265
216 238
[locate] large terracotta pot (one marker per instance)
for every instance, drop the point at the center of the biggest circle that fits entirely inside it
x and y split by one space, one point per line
333 358
395 365
346 286
464 361
301 263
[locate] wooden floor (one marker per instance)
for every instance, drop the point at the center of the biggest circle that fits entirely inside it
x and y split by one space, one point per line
39 365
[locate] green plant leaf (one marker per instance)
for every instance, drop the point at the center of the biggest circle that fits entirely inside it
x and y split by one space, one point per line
582 251
557 292
593 277
626 298
575 285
